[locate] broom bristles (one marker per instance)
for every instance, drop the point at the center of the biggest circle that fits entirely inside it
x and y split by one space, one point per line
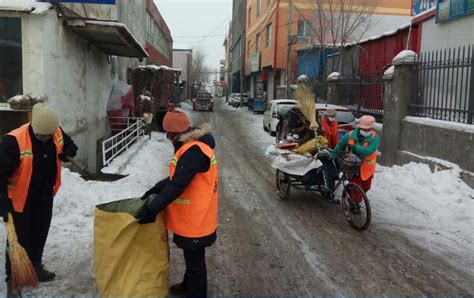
23 273
307 106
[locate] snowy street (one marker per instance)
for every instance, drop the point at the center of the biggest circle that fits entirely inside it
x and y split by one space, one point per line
419 242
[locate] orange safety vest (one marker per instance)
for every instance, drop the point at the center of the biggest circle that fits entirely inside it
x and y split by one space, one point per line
20 181
369 164
194 213
331 132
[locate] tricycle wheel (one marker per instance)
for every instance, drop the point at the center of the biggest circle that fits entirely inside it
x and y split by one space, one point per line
356 207
283 184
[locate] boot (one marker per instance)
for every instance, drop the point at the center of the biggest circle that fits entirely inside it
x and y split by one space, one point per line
43 274
11 292
178 290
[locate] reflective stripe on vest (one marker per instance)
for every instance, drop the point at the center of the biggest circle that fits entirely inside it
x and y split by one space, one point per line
20 180
369 164
194 213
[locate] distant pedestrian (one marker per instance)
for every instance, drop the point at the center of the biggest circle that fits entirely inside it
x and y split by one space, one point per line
30 176
190 196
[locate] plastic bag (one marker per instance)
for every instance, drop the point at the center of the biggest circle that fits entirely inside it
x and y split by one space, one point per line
130 260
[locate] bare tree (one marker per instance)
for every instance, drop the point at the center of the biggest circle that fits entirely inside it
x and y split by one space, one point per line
337 23
200 72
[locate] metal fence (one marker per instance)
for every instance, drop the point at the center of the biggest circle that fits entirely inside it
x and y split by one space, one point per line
126 131
446 85
363 97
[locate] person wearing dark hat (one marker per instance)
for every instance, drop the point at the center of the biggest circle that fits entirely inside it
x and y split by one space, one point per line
330 128
30 176
189 195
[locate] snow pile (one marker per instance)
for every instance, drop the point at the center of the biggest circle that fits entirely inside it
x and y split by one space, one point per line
161 67
469 128
144 97
388 74
25 5
69 248
405 57
334 76
435 209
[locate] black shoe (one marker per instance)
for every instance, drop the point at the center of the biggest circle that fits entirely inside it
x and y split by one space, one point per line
43 274
11 292
178 290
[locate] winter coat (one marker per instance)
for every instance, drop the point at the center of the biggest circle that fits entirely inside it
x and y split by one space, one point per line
358 149
331 132
44 164
193 161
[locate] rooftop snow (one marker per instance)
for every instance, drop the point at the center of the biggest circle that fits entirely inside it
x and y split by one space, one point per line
25 5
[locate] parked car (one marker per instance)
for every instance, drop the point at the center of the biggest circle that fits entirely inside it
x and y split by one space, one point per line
203 101
231 98
276 108
258 106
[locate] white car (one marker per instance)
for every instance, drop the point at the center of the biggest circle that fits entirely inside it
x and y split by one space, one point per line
276 107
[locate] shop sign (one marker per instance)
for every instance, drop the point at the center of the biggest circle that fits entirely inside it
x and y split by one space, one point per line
451 9
255 62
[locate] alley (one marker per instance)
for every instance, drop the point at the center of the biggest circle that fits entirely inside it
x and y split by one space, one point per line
303 246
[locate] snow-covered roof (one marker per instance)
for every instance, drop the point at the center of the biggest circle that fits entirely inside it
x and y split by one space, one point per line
24 5
158 67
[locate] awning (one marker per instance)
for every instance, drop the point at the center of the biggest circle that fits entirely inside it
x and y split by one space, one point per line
112 38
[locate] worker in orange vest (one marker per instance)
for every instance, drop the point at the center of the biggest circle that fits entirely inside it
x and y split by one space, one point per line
364 143
30 176
330 128
189 195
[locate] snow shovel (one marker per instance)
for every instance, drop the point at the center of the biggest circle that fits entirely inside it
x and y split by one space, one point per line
86 175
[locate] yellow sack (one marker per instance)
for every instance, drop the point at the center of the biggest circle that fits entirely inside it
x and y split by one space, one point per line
131 260
310 145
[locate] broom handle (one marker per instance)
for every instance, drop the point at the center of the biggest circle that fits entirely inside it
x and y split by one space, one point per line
11 234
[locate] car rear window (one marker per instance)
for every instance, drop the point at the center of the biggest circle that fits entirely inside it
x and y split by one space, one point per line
345 117
283 108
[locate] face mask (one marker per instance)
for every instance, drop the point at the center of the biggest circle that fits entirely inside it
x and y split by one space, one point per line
43 138
365 133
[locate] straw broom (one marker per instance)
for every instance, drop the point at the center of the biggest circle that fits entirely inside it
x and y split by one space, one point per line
305 101
23 273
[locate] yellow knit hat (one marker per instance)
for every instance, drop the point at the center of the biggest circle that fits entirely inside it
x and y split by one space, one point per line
44 121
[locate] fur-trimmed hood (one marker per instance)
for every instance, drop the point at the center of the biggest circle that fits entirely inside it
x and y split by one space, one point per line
201 133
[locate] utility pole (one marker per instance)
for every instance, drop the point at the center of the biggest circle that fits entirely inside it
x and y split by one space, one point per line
288 48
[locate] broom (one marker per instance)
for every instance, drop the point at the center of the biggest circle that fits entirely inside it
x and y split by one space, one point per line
23 273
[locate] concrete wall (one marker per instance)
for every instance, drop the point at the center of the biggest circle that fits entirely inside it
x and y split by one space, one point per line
77 80
447 144
454 33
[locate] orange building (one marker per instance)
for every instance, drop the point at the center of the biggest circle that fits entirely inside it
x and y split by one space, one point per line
266 32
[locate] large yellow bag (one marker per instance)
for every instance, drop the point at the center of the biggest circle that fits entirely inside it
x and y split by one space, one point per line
131 260
311 146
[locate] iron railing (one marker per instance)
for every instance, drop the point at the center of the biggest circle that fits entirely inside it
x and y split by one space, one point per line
363 97
446 85
126 131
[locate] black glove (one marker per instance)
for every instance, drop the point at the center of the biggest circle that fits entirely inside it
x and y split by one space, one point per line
5 206
63 157
146 216
149 192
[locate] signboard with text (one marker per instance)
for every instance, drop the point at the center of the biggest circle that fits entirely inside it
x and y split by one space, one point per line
255 62
451 9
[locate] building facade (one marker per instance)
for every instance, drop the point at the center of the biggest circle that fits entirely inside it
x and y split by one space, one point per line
267 39
183 59
237 40
72 54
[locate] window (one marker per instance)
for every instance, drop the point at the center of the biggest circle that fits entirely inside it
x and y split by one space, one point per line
269 35
248 47
259 7
250 16
258 42
304 31
11 75
269 2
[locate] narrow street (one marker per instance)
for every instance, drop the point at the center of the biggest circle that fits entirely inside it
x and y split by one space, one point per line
304 246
